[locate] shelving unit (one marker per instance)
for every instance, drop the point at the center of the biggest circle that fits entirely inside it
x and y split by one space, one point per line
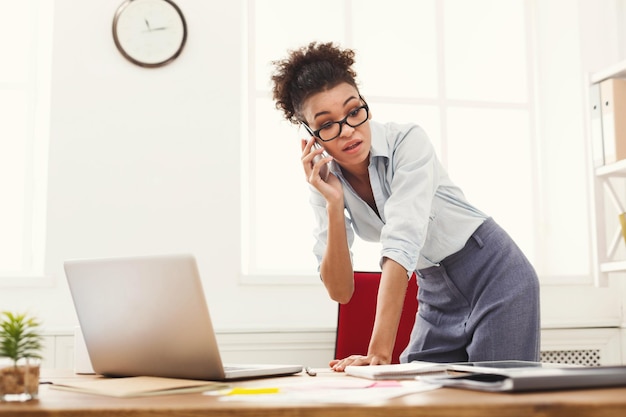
608 247
614 71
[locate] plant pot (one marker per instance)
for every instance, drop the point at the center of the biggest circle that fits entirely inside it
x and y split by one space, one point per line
19 381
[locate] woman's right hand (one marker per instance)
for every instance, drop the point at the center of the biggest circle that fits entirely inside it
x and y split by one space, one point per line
331 187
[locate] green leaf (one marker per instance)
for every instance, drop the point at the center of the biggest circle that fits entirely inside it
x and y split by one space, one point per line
20 336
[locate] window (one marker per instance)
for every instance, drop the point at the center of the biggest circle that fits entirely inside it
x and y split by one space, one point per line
471 91
26 46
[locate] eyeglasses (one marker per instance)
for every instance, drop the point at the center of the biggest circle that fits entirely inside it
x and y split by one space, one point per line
332 130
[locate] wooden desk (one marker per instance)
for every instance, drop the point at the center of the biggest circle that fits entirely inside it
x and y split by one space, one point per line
439 403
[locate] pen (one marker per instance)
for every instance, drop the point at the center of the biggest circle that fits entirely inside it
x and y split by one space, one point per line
310 371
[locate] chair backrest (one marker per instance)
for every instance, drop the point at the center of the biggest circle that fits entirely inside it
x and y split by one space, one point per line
355 319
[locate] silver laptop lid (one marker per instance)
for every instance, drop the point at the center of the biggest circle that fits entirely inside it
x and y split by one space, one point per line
145 316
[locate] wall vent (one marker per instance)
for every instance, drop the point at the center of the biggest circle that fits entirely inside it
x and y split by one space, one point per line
589 357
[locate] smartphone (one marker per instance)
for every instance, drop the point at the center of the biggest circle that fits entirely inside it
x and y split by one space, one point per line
324 171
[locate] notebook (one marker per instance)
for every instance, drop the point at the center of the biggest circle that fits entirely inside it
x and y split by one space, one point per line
518 376
396 371
147 316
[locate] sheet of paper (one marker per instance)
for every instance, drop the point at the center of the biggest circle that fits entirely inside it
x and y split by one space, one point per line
137 386
338 391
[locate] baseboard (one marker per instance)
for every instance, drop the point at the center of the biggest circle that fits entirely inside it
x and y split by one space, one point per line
315 347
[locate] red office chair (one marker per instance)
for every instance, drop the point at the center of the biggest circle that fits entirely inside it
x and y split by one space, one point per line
356 319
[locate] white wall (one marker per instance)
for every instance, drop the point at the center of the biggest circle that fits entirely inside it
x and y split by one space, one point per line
147 161
603 43
562 83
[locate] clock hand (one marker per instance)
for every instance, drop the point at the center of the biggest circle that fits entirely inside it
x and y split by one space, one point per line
160 28
147 24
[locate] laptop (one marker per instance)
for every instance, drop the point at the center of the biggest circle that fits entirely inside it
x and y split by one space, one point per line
147 316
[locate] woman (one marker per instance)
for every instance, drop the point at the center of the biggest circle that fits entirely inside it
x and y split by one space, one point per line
478 294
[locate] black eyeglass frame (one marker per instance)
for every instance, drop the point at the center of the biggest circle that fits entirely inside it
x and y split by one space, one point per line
341 122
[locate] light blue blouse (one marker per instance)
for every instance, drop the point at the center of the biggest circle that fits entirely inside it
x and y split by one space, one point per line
424 217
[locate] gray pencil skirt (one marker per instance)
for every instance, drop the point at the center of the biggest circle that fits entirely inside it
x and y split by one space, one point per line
481 303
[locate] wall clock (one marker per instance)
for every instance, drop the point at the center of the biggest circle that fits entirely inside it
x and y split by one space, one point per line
149 33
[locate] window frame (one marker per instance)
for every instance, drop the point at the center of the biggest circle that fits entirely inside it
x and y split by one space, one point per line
37 89
443 104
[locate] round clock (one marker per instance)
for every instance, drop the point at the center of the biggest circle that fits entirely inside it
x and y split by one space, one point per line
149 33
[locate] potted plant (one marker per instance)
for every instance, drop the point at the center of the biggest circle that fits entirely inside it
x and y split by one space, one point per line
20 356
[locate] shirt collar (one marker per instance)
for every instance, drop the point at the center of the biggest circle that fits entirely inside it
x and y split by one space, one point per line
379 146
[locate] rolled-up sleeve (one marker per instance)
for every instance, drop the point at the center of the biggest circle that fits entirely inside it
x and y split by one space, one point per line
413 177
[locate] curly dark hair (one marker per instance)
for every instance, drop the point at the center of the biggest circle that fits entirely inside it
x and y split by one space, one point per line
307 71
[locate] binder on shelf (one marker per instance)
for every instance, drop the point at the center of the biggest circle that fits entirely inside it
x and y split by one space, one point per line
622 222
597 147
613 96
